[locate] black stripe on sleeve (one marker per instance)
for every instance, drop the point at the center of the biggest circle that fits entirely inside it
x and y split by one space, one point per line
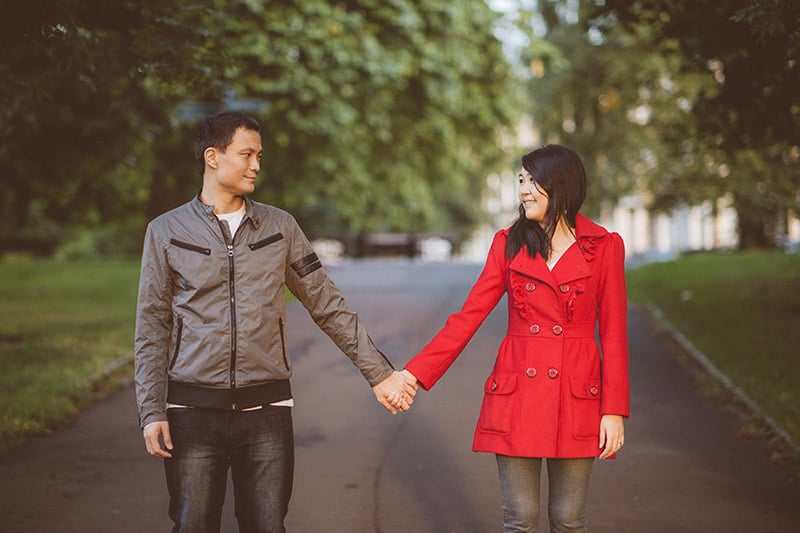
305 266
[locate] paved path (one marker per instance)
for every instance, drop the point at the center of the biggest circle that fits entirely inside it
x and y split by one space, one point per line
360 470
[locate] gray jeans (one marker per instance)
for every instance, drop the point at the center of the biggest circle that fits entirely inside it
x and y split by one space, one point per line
568 488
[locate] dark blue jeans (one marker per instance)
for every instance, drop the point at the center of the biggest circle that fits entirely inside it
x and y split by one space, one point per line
257 447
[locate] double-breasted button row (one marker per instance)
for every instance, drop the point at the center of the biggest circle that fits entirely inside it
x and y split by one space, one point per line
531 372
531 286
535 328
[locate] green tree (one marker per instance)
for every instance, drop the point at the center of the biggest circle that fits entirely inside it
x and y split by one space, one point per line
581 96
612 95
376 115
87 85
745 115
382 116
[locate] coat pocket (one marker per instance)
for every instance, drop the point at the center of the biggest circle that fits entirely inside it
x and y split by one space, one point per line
191 247
498 404
585 408
178 335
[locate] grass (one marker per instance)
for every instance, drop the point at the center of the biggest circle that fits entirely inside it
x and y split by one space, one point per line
61 325
742 310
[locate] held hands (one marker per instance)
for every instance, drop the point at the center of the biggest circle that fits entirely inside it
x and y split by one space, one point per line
396 393
612 435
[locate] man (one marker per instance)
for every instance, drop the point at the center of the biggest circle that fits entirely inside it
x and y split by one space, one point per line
212 371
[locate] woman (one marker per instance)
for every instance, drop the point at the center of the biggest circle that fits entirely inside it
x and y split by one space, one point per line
551 393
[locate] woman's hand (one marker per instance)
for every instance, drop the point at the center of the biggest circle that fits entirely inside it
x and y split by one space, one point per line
612 435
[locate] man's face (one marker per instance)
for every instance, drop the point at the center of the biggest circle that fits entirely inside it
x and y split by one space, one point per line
239 164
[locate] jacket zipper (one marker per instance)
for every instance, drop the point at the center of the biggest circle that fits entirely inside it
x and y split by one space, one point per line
233 320
232 301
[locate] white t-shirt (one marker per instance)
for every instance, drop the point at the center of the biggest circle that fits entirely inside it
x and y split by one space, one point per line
234 219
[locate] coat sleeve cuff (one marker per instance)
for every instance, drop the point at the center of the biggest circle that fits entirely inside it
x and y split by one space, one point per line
377 378
150 418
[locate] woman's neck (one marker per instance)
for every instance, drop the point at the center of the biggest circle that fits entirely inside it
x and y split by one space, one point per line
562 239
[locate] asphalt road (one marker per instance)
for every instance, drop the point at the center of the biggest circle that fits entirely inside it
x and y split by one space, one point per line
360 470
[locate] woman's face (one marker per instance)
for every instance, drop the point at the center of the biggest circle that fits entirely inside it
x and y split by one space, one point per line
533 197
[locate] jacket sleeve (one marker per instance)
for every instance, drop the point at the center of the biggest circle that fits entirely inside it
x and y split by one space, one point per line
153 331
613 322
437 356
308 281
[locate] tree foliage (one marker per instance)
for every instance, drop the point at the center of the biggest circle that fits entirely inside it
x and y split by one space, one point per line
86 85
375 115
383 114
747 114
682 100
584 96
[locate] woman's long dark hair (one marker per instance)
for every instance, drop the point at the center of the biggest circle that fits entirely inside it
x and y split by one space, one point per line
559 172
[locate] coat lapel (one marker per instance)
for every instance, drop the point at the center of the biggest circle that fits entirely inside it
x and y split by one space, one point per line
571 266
532 268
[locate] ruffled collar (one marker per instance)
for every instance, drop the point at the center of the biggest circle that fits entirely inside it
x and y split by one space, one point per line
588 232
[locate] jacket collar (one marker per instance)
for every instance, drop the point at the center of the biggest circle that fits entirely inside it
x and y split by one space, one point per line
585 228
207 211
572 265
251 212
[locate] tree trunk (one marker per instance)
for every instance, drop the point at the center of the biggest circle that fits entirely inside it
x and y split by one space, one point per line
756 225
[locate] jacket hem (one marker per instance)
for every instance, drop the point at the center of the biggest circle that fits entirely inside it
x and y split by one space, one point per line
231 398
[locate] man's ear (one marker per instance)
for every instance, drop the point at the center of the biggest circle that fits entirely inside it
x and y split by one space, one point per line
210 155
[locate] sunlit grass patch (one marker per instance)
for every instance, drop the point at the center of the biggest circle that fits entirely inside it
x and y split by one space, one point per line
742 310
61 325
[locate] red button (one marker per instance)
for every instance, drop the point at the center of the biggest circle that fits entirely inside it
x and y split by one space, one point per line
557 330
494 386
534 329
530 286
564 287
531 372
593 390
552 373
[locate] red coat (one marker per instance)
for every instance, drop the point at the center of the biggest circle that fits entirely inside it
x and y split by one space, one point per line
549 385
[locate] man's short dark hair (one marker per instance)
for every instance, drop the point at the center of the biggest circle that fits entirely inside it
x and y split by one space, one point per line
217 132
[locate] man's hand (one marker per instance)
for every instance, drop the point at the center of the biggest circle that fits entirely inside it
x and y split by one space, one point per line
396 393
153 433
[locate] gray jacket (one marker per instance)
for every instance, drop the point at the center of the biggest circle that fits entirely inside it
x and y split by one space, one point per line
210 320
